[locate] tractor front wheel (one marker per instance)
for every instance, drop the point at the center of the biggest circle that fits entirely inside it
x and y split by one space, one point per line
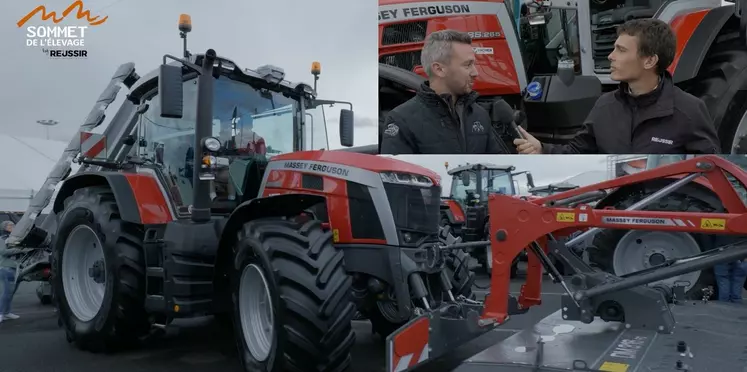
292 298
98 273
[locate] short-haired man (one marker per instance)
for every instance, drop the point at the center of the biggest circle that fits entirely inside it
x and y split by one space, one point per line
648 114
443 118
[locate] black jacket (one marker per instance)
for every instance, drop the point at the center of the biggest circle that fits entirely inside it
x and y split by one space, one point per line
426 124
665 121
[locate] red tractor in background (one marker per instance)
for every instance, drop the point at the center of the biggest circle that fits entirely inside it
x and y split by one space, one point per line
560 48
465 210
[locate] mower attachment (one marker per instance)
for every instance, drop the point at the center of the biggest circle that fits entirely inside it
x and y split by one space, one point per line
542 225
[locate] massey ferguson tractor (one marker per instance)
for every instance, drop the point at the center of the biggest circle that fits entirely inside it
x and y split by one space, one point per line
559 50
198 198
465 210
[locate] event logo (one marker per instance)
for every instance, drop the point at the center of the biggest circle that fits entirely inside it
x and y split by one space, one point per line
60 41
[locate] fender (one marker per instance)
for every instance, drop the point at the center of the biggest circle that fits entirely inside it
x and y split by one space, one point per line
400 76
139 198
696 32
272 206
453 212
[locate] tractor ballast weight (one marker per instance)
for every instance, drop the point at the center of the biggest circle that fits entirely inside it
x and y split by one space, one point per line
633 304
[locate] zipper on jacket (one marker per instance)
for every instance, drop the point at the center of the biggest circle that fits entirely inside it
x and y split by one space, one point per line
462 127
461 136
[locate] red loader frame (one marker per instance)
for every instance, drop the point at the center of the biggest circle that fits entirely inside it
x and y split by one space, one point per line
542 225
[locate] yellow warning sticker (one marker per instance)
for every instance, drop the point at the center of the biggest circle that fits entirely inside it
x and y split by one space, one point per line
565 217
713 224
335 235
614 367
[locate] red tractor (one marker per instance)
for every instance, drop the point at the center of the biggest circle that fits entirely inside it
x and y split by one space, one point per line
465 210
561 48
205 198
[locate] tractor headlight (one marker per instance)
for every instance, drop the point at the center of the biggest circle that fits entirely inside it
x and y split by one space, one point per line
211 144
406 179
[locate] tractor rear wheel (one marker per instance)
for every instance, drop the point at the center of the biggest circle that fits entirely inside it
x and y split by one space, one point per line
292 298
622 252
720 84
98 273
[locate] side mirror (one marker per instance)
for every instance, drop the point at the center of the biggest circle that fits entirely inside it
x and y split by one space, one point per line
465 179
530 180
347 123
171 91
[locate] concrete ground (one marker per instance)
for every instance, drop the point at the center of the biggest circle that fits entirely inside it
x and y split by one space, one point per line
34 343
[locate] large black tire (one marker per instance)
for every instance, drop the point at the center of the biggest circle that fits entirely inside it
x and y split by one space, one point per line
310 292
604 243
720 84
122 319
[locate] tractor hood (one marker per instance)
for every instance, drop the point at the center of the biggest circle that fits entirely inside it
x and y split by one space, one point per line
354 160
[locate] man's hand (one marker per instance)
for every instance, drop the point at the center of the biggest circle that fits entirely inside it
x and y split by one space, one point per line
528 145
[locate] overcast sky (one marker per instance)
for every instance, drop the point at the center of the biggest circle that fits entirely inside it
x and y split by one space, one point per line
287 33
545 169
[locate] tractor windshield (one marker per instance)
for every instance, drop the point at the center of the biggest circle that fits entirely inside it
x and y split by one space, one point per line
498 182
491 182
252 124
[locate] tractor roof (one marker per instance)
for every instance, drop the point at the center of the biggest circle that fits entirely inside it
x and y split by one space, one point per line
481 166
230 68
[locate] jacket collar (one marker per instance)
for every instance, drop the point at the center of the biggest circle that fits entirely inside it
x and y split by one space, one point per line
427 94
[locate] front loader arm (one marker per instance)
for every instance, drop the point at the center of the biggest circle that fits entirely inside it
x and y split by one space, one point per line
516 224
541 226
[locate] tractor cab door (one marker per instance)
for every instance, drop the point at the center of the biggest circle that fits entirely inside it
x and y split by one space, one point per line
253 125
547 35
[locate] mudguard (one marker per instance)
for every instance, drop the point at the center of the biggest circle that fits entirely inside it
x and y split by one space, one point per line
699 40
405 78
117 182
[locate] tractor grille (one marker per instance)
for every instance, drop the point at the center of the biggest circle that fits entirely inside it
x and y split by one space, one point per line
406 60
403 33
414 208
604 32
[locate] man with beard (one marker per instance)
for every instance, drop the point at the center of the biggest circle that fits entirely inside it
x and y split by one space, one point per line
443 118
648 114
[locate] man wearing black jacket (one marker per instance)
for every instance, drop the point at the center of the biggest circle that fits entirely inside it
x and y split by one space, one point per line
648 114
443 118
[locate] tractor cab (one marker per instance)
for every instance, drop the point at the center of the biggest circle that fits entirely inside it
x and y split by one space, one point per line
471 184
256 114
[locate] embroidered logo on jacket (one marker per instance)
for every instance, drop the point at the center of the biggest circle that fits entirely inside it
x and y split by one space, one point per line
477 127
662 140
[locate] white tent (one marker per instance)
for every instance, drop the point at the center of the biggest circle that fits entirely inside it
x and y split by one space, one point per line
26 163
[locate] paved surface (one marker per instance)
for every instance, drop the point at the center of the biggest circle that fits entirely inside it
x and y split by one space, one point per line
34 343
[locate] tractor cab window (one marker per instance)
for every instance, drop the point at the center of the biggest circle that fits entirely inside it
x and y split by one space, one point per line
464 194
252 124
497 182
